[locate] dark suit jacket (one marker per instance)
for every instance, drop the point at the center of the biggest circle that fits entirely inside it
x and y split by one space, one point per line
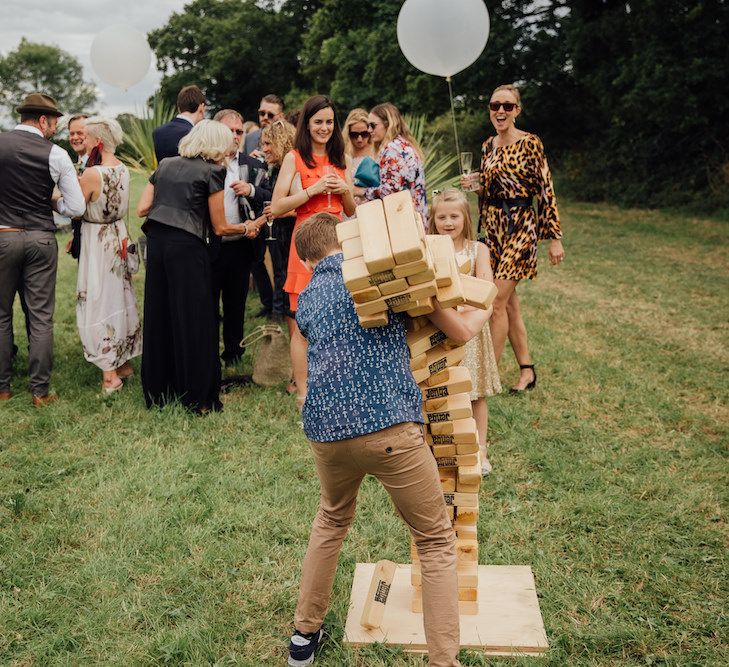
262 191
167 137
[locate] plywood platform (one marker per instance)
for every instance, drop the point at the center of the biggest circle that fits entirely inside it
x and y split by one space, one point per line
509 621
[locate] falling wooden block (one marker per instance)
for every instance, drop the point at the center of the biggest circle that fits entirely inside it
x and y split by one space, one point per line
459 500
374 607
393 286
428 273
448 409
421 307
411 268
347 230
352 248
374 321
376 249
457 427
478 293
365 295
425 338
402 227
459 381
437 360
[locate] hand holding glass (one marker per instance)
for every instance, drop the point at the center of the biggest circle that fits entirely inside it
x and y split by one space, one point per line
329 171
269 220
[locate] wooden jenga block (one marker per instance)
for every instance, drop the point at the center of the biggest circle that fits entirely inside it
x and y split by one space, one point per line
374 607
466 516
427 274
466 441
365 295
402 227
458 427
448 409
466 532
421 307
374 321
456 462
461 500
410 269
425 338
448 480
468 488
464 608
412 294
464 594
355 274
376 249
466 448
415 323
451 295
459 381
441 248
446 376
451 512
352 248
467 572
438 359
467 550
464 265
470 474
371 307
347 230
393 286
440 451
478 293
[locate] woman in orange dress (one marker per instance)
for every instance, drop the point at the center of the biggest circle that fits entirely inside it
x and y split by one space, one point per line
314 178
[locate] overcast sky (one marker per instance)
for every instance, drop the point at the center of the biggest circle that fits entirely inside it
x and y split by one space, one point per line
73 24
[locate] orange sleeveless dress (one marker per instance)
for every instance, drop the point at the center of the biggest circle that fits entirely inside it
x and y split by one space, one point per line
297 277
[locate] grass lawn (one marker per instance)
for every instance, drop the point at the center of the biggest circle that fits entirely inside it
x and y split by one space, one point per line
130 537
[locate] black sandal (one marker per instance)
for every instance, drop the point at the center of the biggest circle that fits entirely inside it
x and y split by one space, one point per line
531 385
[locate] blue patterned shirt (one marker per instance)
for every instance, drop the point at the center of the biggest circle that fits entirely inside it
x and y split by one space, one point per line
359 379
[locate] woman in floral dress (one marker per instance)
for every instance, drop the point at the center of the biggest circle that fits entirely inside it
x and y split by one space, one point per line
401 159
106 309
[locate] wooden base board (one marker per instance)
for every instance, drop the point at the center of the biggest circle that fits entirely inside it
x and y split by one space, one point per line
509 621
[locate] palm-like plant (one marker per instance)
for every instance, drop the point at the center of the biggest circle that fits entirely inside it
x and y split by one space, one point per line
439 169
137 151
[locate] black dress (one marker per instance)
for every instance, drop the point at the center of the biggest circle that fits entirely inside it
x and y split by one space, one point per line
180 359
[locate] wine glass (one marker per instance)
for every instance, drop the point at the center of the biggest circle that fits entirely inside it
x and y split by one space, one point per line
269 222
466 162
329 171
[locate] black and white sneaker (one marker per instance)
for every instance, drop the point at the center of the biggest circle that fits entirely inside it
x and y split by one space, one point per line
303 646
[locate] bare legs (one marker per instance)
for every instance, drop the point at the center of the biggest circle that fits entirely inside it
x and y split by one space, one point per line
481 415
508 322
519 342
298 360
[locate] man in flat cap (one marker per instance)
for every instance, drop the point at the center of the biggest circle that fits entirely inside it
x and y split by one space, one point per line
30 167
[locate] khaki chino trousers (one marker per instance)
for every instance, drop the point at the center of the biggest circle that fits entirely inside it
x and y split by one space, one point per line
400 459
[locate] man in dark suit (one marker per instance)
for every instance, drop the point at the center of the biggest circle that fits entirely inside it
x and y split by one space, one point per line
191 110
246 190
270 109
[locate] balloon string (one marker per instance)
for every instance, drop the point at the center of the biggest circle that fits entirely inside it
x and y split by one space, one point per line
453 115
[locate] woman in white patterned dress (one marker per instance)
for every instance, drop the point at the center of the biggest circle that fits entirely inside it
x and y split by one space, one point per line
106 308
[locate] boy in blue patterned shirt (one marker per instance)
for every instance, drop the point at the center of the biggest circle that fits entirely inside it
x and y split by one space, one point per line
363 415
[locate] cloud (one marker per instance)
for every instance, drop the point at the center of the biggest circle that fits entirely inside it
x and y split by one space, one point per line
73 24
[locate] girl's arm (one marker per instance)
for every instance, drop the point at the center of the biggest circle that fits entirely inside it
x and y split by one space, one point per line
460 327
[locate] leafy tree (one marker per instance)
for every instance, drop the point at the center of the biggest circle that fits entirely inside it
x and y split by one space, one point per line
48 69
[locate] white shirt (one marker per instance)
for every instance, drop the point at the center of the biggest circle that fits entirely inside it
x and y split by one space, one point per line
184 116
230 199
64 176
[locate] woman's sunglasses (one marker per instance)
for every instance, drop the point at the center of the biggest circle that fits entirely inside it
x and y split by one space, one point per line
508 106
359 135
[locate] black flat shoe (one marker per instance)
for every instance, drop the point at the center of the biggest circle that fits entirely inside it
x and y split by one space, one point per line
531 385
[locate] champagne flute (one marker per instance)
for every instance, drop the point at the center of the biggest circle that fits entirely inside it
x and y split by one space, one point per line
269 222
466 161
329 171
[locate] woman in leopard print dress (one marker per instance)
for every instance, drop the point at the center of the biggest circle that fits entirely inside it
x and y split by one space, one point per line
514 170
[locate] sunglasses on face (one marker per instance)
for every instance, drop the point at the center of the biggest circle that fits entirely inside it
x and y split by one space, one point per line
239 133
266 114
508 106
359 135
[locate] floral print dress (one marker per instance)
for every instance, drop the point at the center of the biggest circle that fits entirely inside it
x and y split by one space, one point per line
401 169
106 308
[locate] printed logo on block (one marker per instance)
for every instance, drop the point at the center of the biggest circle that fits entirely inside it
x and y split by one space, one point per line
436 392
450 499
437 366
382 277
437 337
447 462
442 439
383 590
397 300
438 417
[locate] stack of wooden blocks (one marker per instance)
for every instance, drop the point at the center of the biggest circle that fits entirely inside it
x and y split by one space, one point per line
452 437
391 264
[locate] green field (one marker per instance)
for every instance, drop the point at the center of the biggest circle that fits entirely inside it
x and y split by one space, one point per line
130 537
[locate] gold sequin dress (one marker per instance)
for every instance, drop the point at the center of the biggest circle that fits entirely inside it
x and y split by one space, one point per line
480 358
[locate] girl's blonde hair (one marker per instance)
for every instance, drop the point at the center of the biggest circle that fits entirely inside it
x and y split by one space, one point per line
209 139
451 196
107 130
512 89
355 116
281 134
395 126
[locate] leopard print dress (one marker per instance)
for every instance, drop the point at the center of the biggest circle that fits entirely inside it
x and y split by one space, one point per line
517 170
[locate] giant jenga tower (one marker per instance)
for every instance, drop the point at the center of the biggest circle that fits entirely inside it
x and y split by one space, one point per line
390 264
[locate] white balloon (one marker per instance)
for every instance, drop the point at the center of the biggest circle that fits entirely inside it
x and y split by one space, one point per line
442 38
121 56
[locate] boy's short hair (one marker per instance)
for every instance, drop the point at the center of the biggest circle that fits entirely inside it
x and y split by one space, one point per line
316 237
